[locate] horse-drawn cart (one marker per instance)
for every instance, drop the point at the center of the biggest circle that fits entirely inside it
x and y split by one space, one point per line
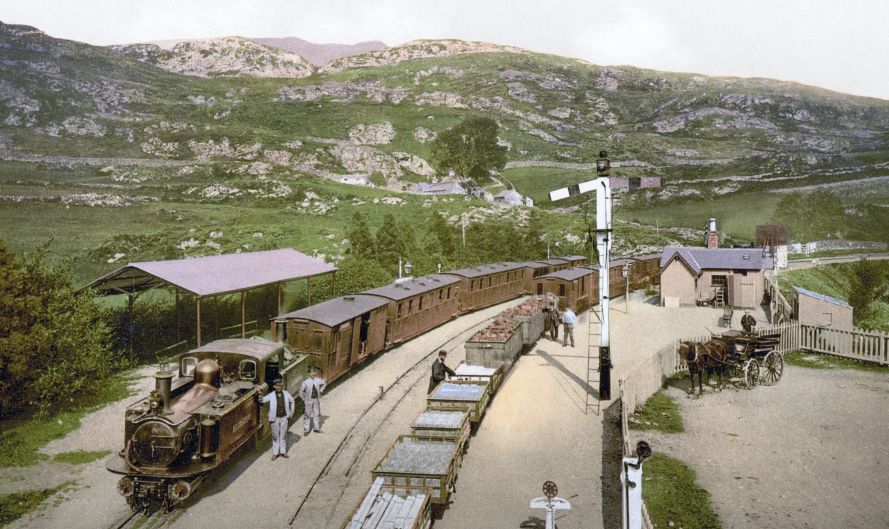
748 358
753 358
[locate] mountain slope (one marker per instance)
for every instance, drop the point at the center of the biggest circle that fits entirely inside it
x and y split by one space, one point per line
320 54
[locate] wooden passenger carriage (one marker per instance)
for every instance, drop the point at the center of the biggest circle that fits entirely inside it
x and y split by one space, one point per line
574 287
487 285
574 260
336 334
555 264
417 305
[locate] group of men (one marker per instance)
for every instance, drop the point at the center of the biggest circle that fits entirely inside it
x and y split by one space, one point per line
552 318
282 405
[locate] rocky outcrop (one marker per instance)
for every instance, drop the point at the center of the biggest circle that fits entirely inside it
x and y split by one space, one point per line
221 57
417 49
376 134
343 92
320 54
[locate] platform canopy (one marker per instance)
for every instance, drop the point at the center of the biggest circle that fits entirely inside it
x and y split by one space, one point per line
212 275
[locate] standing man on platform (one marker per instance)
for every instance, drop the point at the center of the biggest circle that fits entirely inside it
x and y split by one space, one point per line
440 371
569 319
555 318
310 392
281 408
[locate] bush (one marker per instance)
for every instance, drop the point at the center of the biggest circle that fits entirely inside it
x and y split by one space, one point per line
54 342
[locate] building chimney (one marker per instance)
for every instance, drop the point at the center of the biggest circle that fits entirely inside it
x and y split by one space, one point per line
712 240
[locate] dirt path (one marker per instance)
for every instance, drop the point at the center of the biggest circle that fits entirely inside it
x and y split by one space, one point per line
811 451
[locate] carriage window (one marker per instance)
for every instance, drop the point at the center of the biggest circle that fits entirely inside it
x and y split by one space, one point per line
420 303
188 365
449 292
398 313
439 294
561 290
247 370
316 342
472 285
410 306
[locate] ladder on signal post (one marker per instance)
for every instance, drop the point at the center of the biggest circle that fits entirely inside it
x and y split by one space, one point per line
592 361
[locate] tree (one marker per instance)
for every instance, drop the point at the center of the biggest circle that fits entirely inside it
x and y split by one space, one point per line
443 234
389 245
361 242
470 149
868 284
54 342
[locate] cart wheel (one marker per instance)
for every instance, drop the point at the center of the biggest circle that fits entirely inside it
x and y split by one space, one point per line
772 368
751 373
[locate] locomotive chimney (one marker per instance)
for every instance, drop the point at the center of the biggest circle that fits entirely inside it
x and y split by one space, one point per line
712 235
163 382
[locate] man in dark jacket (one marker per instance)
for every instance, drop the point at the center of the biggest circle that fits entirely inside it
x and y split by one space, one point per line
748 322
440 371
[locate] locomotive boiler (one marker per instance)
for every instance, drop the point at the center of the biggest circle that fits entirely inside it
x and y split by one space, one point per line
186 427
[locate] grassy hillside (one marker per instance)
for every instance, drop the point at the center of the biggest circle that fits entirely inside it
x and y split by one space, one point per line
120 160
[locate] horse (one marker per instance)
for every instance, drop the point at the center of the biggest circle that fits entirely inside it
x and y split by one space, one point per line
688 351
705 357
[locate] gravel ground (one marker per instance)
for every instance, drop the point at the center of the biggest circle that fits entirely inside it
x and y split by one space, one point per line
811 451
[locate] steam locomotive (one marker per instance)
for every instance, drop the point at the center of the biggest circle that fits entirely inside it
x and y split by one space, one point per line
183 430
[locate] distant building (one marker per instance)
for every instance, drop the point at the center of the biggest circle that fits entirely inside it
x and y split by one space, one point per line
510 197
357 180
623 184
818 309
442 188
714 276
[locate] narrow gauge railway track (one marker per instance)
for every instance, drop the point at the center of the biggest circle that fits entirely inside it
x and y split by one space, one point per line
142 520
367 426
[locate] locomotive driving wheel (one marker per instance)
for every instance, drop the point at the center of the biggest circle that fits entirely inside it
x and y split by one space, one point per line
751 373
772 368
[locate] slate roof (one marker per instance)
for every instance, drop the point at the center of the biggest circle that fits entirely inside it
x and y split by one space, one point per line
699 259
569 274
822 297
419 285
555 261
336 311
484 270
255 347
215 274
572 258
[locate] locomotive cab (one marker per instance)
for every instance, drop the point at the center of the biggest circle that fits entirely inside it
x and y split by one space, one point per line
188 426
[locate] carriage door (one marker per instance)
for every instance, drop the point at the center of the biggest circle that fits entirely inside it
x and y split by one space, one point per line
363 333
344 348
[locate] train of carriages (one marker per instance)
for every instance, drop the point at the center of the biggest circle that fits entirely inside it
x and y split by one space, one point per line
191 424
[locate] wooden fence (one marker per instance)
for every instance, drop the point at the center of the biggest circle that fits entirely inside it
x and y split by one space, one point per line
855 344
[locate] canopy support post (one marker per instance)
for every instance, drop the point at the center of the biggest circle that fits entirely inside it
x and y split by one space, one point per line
198 311
279 298
243 314
309 290
333 287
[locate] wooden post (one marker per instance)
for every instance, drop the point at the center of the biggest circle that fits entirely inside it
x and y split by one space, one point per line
177 316
198 310
243 314
279 298
333 287
131 299
309 290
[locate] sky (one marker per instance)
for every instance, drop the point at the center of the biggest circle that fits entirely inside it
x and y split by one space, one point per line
839 45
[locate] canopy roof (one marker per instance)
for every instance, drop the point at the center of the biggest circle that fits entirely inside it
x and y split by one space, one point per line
215 274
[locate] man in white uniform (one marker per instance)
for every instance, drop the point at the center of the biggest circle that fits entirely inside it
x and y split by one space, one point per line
569 320
281 408
310 392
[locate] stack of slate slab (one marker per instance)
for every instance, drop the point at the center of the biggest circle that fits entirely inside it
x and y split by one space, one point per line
492 375
472 396
417 464
444 424
384 508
